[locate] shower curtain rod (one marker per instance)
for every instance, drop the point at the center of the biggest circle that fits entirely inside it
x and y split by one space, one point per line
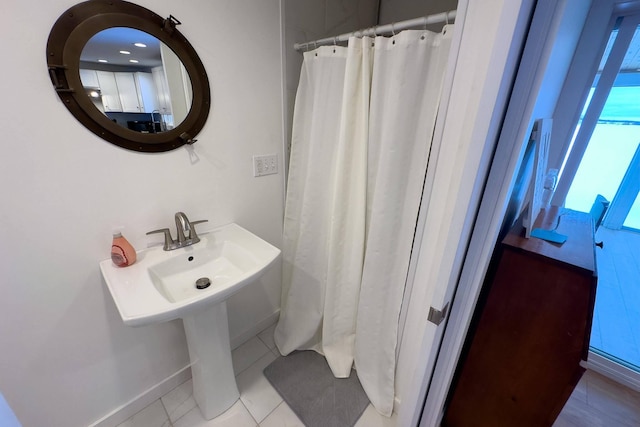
437 18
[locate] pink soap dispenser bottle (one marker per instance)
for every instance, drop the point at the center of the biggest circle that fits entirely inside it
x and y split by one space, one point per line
122 253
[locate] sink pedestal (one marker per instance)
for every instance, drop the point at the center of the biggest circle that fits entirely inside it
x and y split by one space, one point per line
214 384
163 285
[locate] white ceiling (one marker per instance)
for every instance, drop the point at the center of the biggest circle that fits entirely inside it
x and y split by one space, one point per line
108 43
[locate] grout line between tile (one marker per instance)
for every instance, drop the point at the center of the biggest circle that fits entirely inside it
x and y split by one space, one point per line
272 411
181 416
248 412
261 356
240 372
262 341
266 343
166 413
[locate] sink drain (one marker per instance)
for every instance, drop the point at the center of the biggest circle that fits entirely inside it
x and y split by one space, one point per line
203 283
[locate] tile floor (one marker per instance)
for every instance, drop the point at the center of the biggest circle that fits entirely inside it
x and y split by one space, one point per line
616 318
596 401
259 403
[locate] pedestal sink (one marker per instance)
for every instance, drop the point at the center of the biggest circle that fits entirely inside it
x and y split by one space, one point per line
164 285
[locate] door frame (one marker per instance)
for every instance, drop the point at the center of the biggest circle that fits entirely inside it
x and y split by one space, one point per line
487 45
578 147
625 196
535 90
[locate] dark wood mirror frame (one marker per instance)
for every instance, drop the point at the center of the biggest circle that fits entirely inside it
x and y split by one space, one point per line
68 37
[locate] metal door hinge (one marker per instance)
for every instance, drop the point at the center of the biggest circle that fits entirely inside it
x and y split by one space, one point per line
437 316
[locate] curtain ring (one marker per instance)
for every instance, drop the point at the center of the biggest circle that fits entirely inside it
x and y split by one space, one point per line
446 18
392 30
335 43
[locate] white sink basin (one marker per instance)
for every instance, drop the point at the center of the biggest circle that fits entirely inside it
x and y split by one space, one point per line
161 285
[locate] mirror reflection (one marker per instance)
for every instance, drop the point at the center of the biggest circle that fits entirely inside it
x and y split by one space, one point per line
135 80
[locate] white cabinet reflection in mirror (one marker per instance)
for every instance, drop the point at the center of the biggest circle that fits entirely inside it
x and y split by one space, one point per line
149 79
162 89
109 91
89 78
147 97
130 96
127 92
178 84
161 286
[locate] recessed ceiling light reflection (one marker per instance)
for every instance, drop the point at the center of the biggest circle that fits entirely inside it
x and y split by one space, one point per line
125 52
140 45
102 60
135 61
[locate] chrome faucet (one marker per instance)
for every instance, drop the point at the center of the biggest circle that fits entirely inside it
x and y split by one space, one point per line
183 225
185 230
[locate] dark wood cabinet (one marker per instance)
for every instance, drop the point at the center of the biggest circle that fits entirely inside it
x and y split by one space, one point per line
532 331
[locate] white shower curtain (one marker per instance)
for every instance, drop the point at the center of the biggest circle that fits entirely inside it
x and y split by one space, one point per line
362 129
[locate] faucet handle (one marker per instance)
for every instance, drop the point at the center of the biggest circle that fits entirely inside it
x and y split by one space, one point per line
168 240
192 232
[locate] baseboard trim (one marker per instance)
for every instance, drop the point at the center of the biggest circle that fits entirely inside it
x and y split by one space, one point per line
155 392
254 330
614 371
144 399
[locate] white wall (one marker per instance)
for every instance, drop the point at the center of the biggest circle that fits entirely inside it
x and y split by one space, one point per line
401 10
66 358
309 20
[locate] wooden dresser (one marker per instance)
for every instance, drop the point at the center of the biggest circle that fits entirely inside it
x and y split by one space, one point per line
531 329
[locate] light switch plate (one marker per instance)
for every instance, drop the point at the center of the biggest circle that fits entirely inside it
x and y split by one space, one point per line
265 165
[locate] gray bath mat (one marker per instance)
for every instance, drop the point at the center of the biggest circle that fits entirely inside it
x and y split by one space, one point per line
305 382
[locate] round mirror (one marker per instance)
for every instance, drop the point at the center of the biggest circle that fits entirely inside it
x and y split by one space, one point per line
135 80
128 75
